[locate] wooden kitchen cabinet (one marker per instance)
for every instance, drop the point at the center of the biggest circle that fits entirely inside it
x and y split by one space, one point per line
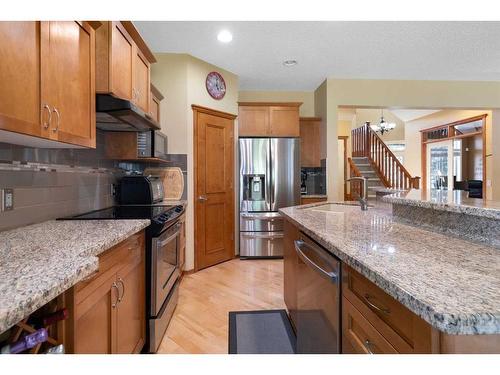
154 103
123 63
47 80
290 263
310 155
268 119
308 200
107 311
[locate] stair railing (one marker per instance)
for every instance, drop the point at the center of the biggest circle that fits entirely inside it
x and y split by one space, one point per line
366 143
355 186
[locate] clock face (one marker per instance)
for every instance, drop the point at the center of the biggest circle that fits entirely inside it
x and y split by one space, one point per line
216 86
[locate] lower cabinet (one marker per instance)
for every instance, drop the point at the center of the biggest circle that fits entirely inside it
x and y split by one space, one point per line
306 200
290 263
107 311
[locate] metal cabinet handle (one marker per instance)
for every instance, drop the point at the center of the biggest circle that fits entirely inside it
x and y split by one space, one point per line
58 119
300 246
120 281
47 124
384 310
266 236
202 198
115 286
369 346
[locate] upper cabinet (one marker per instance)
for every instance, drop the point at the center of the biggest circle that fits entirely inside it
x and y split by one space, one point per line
123 63
47 75
154 103
310 155
269 119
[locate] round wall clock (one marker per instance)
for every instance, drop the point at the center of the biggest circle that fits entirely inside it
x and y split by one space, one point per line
216 86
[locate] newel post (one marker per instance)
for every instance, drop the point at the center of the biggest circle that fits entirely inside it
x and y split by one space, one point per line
367 140
416 182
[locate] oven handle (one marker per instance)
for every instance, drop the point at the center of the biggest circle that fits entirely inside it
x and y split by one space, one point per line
170 238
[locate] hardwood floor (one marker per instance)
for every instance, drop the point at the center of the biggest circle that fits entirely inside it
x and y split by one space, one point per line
200 321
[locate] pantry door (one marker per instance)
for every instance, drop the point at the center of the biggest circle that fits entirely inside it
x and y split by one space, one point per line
214 186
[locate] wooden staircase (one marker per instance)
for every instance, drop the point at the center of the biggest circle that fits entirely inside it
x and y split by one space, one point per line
372 158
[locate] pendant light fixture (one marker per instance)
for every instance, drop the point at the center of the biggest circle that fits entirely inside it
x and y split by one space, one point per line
383 126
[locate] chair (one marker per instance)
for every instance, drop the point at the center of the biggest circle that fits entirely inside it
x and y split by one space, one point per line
475 188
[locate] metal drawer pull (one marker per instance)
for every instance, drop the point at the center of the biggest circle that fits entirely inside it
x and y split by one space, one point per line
58 120
384 310
120 298
47 124
115 286
268 236
369 346
300 246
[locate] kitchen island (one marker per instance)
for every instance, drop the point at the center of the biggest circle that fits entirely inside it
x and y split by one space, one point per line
450 284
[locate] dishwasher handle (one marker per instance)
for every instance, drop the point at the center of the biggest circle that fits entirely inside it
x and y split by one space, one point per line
302 247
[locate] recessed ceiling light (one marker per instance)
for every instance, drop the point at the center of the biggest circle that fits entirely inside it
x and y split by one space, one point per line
290 62
224 36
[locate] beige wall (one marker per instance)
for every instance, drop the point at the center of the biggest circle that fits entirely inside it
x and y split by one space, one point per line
306 97
404 94
181 79
320 101
413 151
373 116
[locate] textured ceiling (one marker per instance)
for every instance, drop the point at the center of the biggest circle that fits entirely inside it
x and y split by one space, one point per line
376 50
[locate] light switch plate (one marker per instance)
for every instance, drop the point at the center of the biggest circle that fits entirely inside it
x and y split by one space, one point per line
7 199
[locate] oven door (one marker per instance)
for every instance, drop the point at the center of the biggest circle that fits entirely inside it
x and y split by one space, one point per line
164 265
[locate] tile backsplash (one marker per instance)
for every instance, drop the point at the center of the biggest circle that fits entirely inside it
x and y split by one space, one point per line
52 183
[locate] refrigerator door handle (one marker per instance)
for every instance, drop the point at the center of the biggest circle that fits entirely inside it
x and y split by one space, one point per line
269 176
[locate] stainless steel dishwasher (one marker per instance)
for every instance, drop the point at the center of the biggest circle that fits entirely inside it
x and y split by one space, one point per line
318 298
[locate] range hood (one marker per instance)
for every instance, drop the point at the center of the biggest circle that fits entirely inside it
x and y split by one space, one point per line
113 114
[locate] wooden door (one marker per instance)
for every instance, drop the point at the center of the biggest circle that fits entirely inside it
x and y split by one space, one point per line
253 121
131 319
141 80
20 107
68 81
310 142
284 121
214 188
95 321
121 61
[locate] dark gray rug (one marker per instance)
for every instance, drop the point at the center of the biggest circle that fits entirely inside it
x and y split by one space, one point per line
260 332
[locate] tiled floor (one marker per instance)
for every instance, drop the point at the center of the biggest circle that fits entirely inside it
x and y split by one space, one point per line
200 321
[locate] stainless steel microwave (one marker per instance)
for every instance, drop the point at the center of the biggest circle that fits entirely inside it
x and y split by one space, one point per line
151 144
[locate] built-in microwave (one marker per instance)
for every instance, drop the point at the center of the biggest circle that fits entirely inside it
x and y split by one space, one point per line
151 144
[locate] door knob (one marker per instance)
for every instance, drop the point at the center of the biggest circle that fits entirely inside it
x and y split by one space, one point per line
202 198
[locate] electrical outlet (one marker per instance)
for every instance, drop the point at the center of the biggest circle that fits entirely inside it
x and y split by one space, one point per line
7 199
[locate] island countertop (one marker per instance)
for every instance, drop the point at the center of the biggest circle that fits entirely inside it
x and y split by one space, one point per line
38 262
455 201
451 283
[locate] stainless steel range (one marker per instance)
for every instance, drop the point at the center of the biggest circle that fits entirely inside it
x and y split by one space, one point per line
162 249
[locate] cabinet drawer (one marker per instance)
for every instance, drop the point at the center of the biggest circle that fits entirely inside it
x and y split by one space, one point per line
407 332
359 336
109 263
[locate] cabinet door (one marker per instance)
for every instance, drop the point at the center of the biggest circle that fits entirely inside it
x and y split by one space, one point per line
154 108
20 106
141 90
310 144
131 320
95 320
284 121
290 261
253 121
121 60
68 81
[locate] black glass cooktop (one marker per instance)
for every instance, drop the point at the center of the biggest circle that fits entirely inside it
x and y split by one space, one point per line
127 212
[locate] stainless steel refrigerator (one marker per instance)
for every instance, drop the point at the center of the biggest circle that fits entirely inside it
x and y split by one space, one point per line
269 180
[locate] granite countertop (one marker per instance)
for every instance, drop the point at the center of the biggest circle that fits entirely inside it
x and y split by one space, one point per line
40 261
451 283
453 201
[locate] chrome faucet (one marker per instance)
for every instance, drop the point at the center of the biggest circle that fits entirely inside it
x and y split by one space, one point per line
363 199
